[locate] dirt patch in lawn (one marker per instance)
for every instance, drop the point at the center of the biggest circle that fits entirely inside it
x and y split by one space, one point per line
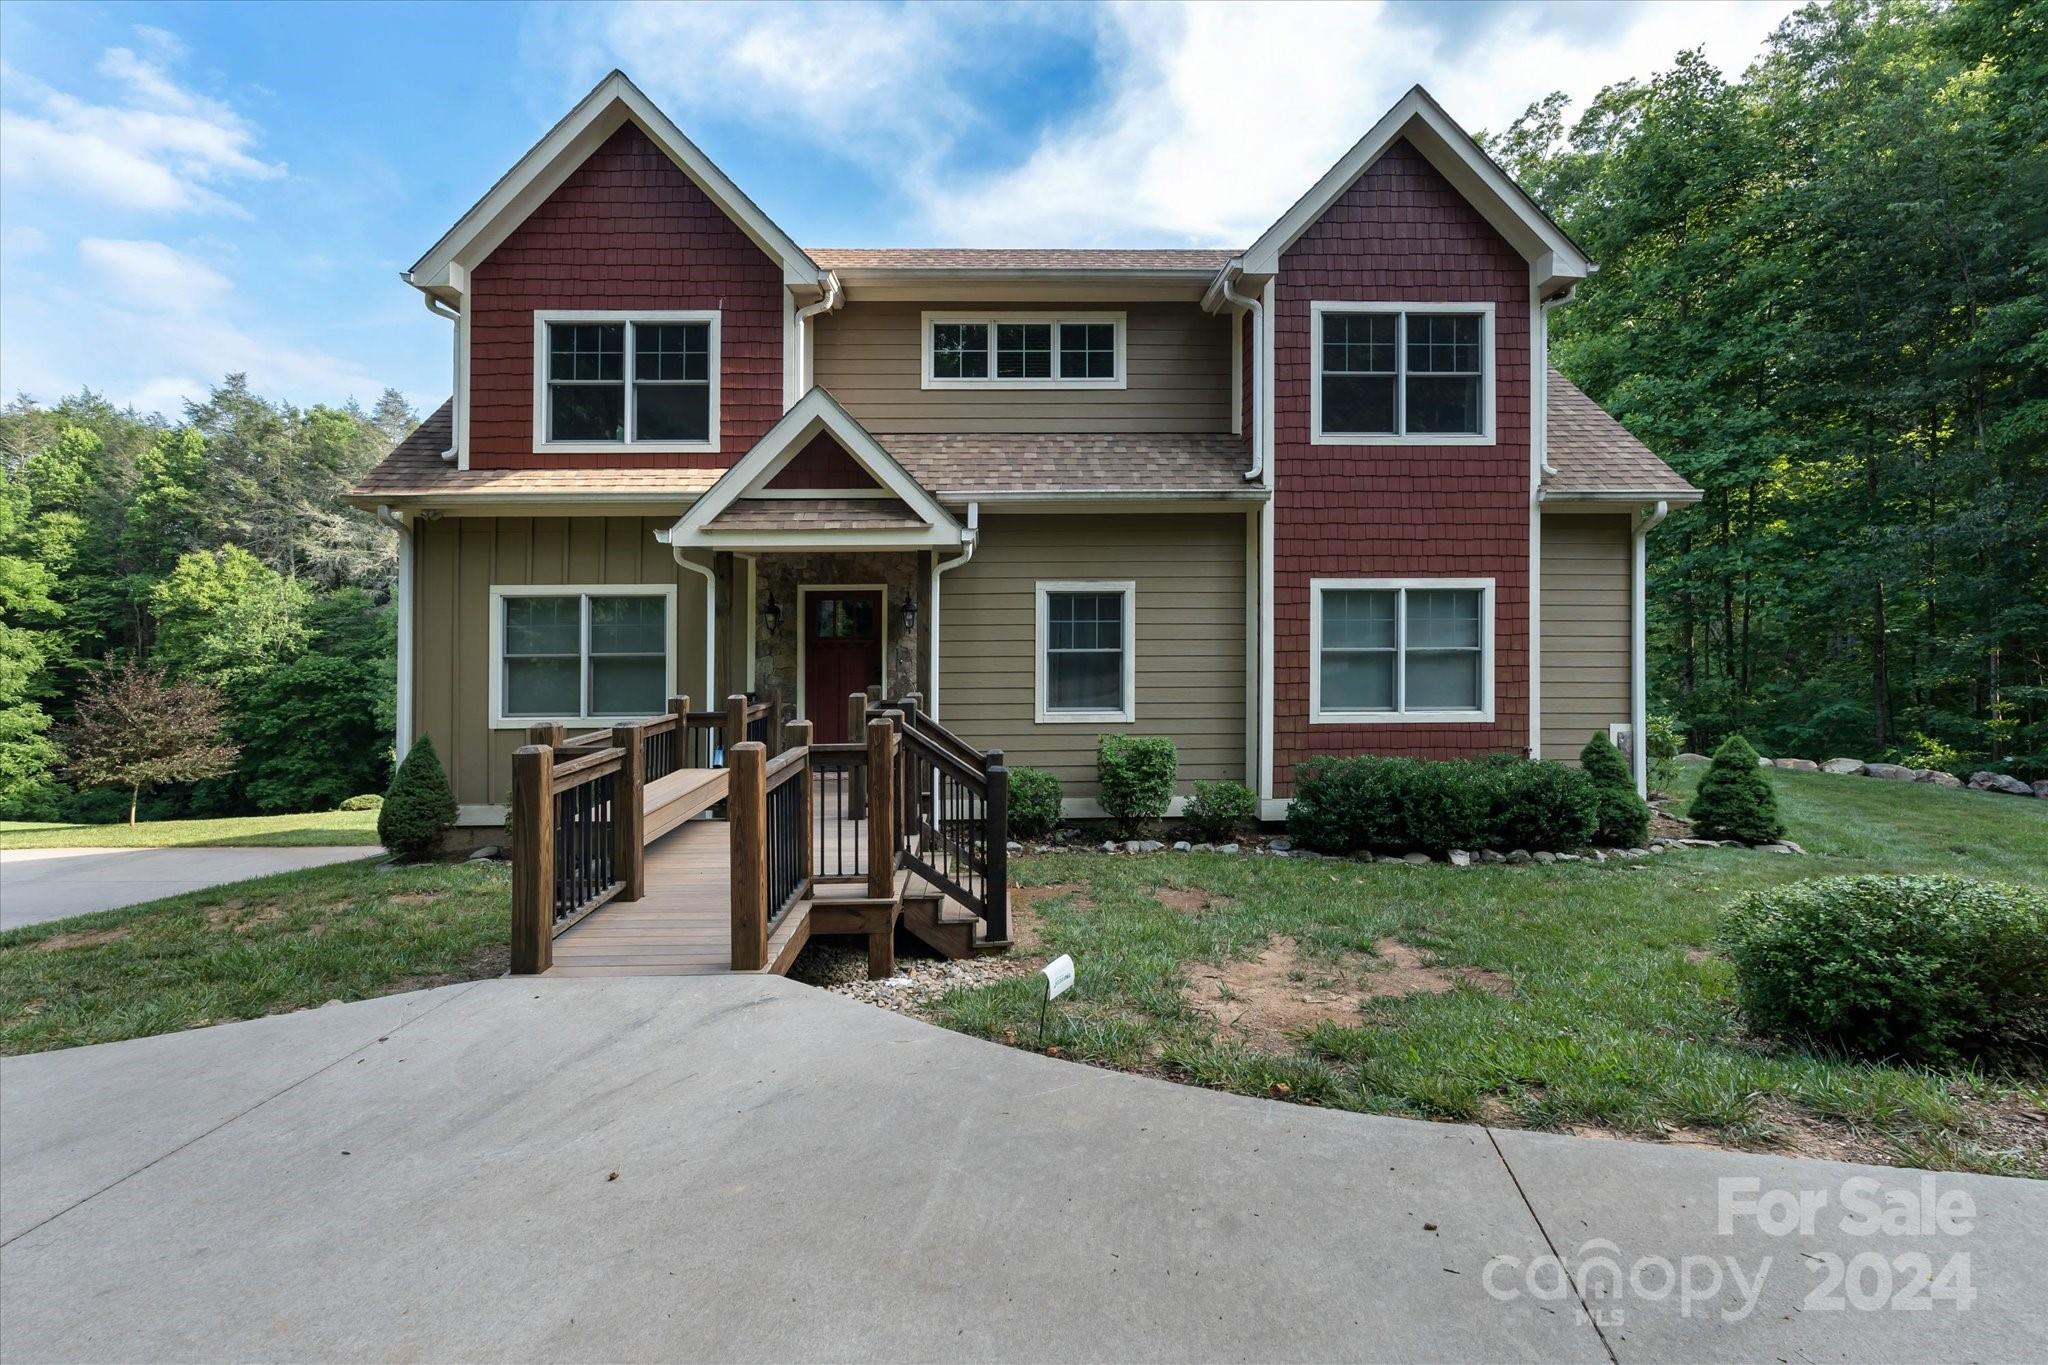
89 939
1189 900
1268 1001
1026 927
1669 826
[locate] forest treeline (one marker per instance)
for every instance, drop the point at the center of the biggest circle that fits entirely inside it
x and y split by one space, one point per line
215 549
1823 297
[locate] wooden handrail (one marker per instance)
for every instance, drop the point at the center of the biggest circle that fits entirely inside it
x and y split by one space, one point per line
586 767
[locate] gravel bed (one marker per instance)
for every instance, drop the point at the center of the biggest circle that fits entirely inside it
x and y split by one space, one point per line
918 983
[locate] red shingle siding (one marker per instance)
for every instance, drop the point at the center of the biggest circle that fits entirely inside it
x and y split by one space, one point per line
626 230
1401 233
822 464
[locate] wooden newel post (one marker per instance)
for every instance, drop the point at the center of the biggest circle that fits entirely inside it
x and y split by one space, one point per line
629 812
548 732
996 895
881 809
857 780
679 707
746 809
533 859
735 724
799 737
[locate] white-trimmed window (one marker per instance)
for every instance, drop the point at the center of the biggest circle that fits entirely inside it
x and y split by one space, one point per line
1401 373
639 381
1400 650
1024 351
1087 641
581 655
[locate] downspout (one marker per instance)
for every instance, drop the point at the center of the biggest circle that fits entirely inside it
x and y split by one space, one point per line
1253 408
1638 690
969 538
1255 414
827 302
402 737
442 310
710 698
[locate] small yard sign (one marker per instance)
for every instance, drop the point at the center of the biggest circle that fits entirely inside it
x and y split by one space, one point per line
1059 979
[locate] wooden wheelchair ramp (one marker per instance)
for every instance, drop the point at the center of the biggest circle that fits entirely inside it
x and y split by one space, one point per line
681 927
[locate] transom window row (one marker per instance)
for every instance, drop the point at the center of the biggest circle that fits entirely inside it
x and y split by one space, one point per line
1022 351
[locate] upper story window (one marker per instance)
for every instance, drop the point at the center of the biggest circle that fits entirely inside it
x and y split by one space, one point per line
1024 350
1402 373
635 381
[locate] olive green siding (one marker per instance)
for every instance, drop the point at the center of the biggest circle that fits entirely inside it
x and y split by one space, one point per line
1178 357
1190 638
1585 563
458 561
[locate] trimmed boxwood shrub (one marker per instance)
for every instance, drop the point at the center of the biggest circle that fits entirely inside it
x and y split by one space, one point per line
1395 805
370 802
419 808
1734 800
1921 968
1221 809
1136 774
1034 802
1624 817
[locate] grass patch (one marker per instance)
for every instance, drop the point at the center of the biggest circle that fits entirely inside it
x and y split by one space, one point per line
264 946
1581 997
241 831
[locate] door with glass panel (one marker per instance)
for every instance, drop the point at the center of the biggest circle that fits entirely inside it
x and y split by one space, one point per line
842 655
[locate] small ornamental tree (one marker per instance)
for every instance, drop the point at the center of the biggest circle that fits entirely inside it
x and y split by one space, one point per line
419 806
1624 816
1734 801
134 730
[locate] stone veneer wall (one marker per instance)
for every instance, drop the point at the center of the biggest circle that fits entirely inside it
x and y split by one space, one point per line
779 576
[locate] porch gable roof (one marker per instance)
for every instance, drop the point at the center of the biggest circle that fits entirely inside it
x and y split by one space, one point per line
742 511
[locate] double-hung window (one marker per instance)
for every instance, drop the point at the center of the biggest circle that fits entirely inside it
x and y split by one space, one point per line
581 655
1401 650
1402 374
1024 350
634 381
1086 663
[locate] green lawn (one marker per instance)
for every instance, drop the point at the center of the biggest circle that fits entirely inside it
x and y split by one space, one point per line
244 831
344 932
1608 1014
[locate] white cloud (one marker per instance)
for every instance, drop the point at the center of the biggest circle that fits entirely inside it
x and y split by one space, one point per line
153 276
155 145
19 239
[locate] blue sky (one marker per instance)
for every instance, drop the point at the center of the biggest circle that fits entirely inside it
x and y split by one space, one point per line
192 189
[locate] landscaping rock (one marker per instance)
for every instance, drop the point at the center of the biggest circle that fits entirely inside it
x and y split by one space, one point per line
1415 857
1144 846
1546 857
1936 777
1763 762
1570 858
483 854
1888 772
1013 846
1701 843
1694 758
1844 767
1203 848
1488 855
1799 765
2000 782
1639 853
1520 855
2041 789
1388 858
1282 846
1182 846
1460 858
1226 848
1109 845
1774 848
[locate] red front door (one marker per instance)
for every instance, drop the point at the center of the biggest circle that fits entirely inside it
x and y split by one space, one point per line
842 655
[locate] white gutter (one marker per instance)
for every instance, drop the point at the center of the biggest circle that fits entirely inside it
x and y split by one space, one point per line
826 302
442 310
970 536
1257 310
1638 690
402 738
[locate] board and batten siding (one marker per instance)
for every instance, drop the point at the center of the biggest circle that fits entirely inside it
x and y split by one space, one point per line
1190 639
459 560
869 355
1585 563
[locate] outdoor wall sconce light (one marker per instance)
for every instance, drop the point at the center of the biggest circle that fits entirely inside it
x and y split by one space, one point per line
771 614
907 613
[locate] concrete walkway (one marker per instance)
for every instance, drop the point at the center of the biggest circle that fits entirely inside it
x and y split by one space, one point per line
797 1176
38 884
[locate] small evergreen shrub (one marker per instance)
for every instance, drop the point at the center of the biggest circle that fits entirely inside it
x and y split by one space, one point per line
1220 810
369 802
1921 968
1034 802
1544 806
1136 774
1735 800
1447 805
419 807
1342 805
1624 817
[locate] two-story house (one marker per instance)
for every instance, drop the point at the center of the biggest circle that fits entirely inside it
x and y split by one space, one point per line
1319 495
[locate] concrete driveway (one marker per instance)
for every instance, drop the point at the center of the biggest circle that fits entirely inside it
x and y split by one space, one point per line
38 884
742 1168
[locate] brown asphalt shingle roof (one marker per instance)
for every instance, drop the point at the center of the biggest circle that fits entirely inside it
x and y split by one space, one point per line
1593 453
1028 258
815 514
